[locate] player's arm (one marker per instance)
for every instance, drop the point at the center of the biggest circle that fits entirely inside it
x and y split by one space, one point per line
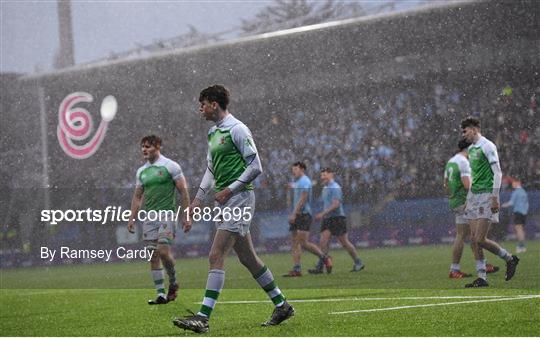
336 201
511 201
466 181
465 174
204 188
298 207
301 202
335 204
182 187
242 139
136 203
493 157
445 182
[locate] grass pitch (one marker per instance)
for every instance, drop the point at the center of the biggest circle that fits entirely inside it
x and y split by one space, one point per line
402 292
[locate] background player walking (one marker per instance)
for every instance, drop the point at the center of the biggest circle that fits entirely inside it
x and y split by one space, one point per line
156 181
334 222
519 201
300 221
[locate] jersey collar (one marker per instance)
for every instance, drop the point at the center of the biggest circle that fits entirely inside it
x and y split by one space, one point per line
480 141
156 161
221 123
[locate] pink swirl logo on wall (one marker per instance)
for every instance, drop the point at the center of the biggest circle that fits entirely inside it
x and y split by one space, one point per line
76 124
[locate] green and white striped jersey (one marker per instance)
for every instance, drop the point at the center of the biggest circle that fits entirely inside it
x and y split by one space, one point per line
482 154
230 144
157 180
456 168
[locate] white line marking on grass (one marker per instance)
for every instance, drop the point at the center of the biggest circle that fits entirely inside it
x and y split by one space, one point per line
354 299
437 304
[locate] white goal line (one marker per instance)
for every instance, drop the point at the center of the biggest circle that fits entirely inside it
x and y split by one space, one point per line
348 299
521 297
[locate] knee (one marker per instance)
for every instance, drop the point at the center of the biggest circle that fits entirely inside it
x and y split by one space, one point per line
324 241
155 257
215 258
480 241
163 251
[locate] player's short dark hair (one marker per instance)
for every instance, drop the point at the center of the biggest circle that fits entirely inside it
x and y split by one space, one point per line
327 170
152 140
300 164
463 144
470 122
216 93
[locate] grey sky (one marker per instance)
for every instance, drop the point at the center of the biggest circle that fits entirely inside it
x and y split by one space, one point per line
29 29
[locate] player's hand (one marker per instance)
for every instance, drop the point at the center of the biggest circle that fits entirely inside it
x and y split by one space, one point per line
494 205
195 204
319 216
131 227
292 218
223 196
186 225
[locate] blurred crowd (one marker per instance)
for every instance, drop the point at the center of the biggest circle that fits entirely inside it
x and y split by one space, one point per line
397 142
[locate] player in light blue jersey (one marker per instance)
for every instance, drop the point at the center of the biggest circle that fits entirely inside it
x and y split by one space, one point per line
300 220
334 222
519 201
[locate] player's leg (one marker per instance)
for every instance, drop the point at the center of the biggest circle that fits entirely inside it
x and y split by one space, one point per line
221 246
296 251
520 234
167 259
346 243
519 222
324 244
303 238
157 275
481 280
150 236
245 251
325 241
485 243
462 233
166 235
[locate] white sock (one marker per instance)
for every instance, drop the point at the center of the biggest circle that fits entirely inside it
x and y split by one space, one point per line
505 255
214 285
455 267
481 269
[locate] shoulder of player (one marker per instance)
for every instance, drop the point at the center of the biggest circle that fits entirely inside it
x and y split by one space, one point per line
239 127
453 159
212 130
306 180
141 168
168 163
335 185
486 144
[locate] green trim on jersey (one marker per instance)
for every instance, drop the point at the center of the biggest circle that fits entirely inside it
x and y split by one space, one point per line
458 193
482 175
227 161
159 188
